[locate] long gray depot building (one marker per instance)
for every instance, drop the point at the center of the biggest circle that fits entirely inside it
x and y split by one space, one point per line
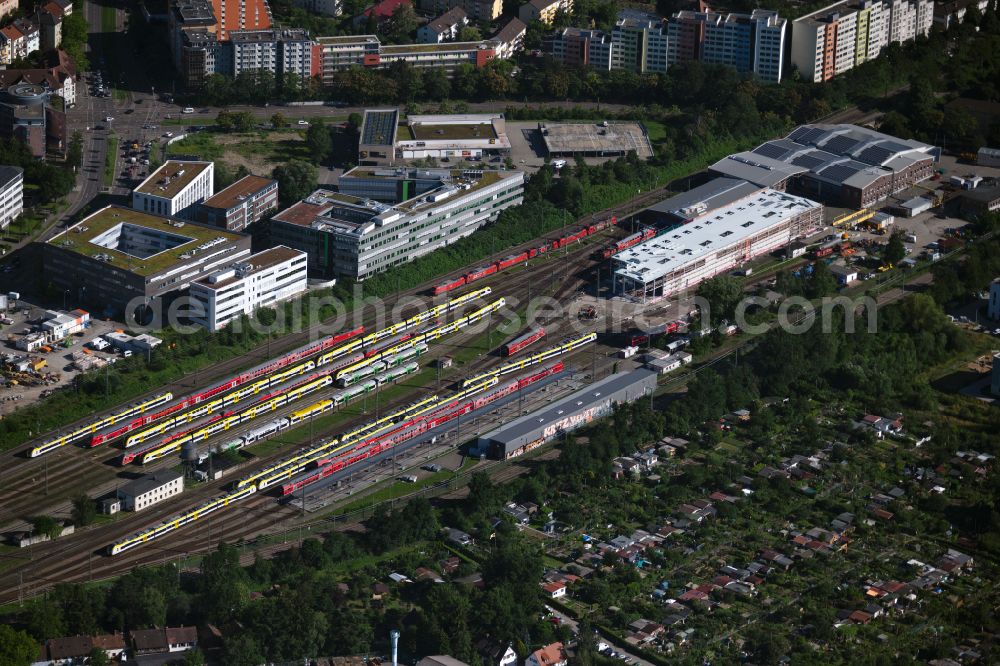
571 412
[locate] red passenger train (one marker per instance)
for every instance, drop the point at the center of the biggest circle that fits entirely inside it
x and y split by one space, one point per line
626 243
514 259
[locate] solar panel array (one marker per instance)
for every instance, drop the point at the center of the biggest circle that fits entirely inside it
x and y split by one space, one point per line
841 145
380 128
838 172
875 154
771 149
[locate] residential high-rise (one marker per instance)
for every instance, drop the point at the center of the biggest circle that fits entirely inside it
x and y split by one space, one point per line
840 37
748 42
640 42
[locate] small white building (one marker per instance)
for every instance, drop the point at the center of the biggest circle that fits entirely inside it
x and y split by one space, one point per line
150 489
915 206
844 274
444 28
11 194
175 189
262 280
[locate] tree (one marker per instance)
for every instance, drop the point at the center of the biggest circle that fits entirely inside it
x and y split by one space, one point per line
98 657
469 33
193 657
84 510
296 181
278 120
398 27
74 152
319 142
894 249
46 525
17 648
354 121
723 294
242 650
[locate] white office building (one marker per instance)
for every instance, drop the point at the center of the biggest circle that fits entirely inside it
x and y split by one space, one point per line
262 280
714 243
150 489
11 194
175 189
385 217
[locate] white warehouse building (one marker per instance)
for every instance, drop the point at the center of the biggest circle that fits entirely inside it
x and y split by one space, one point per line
714 243
175 189
262 280
150 489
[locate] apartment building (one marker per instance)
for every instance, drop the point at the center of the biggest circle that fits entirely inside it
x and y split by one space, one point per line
909 19
543 10
477 10
11 194
263 280
748 42
574 47
357 237
241 204
175 189
640 42
444 28
840 37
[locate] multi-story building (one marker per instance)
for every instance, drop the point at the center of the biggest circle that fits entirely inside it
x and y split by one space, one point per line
8 7
952 12
840 37
326 7
748 42
119 257
451 136
58 78
12 44
27 116
175 189
713 243
845 165
262 280
909 19
11 194
200 30
341 53
485 11
575 47
640 42
149 489
444 28
543 10
358 237
32 35
279 51
510 38
241 204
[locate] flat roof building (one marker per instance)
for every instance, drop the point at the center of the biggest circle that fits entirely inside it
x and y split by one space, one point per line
358 236
752 42
682 208
117 255
262 280
175 189
150 489
11 194
574 411
241 204
713 243
595 139
844 165
378 136
457 135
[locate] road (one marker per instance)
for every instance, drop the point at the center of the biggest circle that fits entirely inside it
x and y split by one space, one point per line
574 626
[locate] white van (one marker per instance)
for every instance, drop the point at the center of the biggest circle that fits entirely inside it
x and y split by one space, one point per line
187 109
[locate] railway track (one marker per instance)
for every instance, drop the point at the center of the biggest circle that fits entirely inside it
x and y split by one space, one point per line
75 469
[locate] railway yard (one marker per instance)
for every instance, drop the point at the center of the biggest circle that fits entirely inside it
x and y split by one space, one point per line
366 404
311 423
